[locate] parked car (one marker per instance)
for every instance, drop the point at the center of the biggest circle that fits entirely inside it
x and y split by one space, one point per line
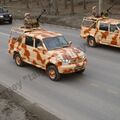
5 16
47 50
101 31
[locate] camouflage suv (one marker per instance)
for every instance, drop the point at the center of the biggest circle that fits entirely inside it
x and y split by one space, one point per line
101 31
47 50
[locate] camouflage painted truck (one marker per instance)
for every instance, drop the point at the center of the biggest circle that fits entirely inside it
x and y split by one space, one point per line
47 50
101 31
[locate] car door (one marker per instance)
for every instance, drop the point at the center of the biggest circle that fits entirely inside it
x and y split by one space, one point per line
27 49
103 33
113 36
39 52
88 27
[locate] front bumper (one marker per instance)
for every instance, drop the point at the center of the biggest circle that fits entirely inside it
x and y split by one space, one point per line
66 69
84 36
5 19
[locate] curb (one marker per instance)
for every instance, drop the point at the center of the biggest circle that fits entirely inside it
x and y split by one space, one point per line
32 108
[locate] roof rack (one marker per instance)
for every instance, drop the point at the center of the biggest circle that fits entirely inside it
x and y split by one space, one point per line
22 29
94 18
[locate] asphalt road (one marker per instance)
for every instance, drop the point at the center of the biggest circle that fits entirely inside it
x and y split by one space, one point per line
95 95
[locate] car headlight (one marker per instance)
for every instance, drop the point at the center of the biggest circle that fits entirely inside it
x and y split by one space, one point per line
1 16
65 62
10 15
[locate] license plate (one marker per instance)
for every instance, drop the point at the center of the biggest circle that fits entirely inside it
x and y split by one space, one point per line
7 19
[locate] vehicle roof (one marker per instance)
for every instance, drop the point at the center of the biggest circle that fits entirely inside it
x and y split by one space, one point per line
39 33
103 19
111 21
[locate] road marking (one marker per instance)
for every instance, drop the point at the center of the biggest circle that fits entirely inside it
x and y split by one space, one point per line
113 92
110 91
4 34
94 85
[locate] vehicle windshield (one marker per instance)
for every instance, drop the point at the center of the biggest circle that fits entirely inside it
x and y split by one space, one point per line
55 42
3 10
89 23
118 26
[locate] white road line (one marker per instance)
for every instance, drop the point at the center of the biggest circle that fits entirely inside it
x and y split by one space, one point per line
113 92
4 34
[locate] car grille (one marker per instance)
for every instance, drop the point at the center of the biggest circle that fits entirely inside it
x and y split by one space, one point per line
6 16
77 60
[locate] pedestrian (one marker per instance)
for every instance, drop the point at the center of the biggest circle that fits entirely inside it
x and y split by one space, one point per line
94 11
27 20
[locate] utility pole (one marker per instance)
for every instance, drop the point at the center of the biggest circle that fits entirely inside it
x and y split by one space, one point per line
65 3
100 6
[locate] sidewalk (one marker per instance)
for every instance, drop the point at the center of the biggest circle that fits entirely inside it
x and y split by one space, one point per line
15 107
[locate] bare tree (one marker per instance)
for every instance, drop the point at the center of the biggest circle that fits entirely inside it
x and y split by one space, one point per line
27 2
4 2
37 2
84 4
65 4
72 7
56 7
48 6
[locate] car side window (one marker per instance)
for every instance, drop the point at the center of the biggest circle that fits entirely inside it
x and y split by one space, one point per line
29 41
38 43
103 26
113 28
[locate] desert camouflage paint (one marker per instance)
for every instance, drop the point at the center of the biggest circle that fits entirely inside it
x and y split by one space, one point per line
108 36
67 60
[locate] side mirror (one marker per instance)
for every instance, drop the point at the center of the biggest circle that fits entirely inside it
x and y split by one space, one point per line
70 43
40 48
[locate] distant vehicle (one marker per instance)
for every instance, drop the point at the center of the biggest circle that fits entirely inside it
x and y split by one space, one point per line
47 50
101 31
5 16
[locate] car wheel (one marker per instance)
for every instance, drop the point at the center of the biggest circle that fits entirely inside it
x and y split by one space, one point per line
91 42
53 73
18 60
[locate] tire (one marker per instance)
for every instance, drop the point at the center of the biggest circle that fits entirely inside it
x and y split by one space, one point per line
53 73
91 41
18 60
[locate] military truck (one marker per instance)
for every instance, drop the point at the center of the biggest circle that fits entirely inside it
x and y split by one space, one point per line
101 30
46 50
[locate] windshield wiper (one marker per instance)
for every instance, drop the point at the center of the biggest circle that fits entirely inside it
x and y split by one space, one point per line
56 48
65 46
